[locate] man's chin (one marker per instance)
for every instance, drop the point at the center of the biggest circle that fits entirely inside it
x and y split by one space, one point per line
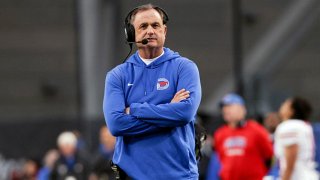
149 45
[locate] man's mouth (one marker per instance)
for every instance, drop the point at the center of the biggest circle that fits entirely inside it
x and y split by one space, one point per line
150 39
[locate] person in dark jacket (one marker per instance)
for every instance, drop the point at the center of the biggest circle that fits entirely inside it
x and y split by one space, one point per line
69 165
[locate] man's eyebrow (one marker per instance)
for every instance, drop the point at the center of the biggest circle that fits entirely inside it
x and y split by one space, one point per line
142 24
146 23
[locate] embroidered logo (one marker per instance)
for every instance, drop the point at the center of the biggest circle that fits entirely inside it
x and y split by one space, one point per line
162 84
235 146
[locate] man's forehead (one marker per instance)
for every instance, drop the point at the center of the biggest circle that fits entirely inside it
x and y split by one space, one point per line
233 106
144 15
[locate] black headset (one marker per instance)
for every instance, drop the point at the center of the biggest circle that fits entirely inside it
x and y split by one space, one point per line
129 28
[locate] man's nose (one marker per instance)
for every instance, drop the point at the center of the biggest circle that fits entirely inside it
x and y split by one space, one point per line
150 30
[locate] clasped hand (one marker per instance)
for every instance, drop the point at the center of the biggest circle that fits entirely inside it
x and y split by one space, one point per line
179 96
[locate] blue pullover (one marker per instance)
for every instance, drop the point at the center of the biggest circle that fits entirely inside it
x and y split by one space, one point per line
157 139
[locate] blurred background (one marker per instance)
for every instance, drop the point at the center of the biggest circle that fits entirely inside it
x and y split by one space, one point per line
54 56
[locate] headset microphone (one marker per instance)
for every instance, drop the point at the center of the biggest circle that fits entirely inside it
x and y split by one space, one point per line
143 41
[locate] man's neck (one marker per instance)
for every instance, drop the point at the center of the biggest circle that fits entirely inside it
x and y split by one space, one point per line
232 125
236 124
148 53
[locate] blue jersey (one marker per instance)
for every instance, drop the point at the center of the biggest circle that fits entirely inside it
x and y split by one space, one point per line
157 139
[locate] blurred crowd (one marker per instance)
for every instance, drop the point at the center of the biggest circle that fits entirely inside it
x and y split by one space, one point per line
281 146
70 161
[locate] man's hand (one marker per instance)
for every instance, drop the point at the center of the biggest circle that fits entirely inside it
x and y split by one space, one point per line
127 110
180 95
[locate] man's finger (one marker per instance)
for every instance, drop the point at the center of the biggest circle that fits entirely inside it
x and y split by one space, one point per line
184 96
184 93
181 91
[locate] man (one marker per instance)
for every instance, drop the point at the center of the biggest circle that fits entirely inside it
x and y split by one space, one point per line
270 122
243 147
101 166
49 160
69 165
150 104
294 141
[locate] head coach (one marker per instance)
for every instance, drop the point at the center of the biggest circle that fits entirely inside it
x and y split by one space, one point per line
150 103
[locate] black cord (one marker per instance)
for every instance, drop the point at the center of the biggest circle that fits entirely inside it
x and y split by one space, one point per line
130 44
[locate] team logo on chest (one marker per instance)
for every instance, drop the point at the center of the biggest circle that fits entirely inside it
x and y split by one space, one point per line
162 84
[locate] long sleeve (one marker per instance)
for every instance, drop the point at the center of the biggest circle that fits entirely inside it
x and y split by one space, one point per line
174 114
119 123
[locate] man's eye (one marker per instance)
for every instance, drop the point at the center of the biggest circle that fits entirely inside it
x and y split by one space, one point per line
155 25
143 26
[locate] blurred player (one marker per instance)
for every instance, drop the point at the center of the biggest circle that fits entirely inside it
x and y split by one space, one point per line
270 122
243 146
101 165
294 141
48 163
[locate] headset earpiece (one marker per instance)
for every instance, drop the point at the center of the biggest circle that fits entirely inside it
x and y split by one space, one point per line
130 33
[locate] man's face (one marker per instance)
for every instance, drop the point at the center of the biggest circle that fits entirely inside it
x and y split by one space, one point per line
148 25
285 110
271 121
67 150
233 113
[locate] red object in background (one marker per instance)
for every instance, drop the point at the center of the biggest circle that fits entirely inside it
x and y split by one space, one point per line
243 151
